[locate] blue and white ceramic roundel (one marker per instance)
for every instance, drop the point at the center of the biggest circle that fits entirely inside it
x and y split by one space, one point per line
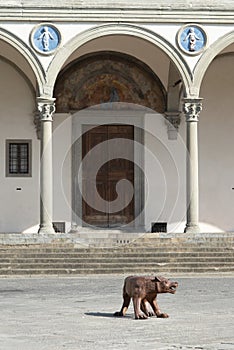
45 38
192 39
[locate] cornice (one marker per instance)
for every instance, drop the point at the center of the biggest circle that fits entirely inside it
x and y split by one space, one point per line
107 14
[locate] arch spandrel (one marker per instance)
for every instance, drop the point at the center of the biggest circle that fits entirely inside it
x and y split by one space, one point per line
67 50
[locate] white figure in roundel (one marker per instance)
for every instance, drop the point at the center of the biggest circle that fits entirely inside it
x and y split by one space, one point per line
192 38
45 37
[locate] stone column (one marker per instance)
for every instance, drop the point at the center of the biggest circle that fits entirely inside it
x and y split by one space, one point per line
192 109
46 109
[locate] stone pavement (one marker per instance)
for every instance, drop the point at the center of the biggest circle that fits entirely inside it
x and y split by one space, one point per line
56 313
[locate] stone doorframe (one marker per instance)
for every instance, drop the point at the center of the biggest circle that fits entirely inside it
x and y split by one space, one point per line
81 122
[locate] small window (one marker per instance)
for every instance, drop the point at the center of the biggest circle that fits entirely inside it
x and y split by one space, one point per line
18 158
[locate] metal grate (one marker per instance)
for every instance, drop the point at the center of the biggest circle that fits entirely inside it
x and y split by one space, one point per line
159 227
59 226
18 158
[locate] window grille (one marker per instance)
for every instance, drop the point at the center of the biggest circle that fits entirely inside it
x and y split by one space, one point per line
59 227
18 158
159 227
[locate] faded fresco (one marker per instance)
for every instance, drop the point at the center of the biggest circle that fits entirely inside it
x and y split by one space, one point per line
108 77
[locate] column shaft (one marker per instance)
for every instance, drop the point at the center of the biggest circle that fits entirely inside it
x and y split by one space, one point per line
192 108
192 178
46 109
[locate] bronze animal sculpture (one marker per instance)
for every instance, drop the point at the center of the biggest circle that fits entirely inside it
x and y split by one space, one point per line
143 291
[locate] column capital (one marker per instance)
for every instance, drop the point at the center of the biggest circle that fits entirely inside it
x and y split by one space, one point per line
46 108
192 108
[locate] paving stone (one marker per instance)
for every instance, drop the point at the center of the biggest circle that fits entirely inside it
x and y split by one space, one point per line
77 313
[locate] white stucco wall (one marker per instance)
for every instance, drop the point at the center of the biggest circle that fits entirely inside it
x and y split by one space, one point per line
216 143
19 208
165 169
62 124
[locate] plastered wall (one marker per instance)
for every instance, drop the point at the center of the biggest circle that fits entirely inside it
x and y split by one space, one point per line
216 143
19 204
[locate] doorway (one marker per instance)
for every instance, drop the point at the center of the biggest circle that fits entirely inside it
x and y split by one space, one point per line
107 177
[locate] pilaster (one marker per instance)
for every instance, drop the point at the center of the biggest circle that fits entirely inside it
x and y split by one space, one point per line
173 122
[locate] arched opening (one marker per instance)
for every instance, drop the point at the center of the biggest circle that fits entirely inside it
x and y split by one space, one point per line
18 88
216 128
111 82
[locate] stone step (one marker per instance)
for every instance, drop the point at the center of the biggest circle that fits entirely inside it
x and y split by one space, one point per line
128 267
148 254
115 250
111 265
121 259
117 253
156 242
117 270
127 248
110 238
149 240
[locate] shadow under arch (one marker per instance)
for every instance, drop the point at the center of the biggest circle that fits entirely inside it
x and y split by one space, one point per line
206 59
28 55
119 29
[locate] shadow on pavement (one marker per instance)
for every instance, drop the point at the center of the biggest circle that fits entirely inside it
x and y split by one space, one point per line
105 314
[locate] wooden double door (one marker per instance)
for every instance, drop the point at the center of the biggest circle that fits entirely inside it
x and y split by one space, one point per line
108 175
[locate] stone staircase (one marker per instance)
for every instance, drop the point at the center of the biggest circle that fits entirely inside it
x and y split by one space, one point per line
150 253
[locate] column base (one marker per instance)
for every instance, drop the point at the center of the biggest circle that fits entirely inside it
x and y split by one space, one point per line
192 229
46 229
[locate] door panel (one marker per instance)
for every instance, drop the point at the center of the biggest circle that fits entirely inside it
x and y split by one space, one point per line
109 174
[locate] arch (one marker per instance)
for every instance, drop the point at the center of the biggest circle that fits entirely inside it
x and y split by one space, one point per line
206 59
28 55
119 29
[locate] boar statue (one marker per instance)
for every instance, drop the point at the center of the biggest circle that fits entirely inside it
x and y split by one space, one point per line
143 291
